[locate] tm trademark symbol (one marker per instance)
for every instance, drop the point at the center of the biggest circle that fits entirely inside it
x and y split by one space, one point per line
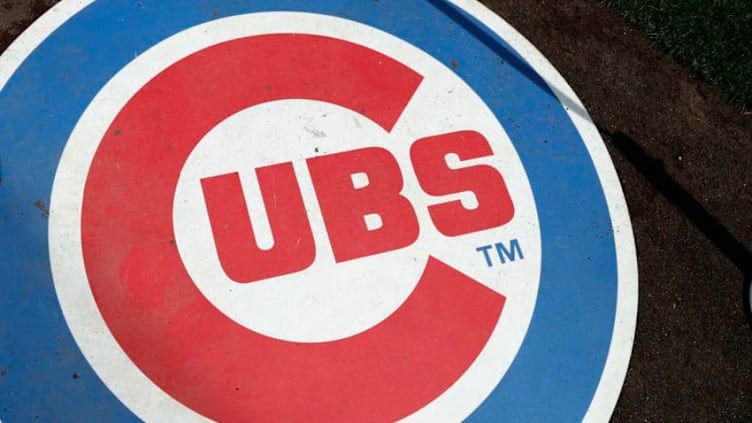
505 252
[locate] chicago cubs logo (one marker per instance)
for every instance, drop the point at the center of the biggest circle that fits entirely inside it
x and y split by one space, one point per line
291 216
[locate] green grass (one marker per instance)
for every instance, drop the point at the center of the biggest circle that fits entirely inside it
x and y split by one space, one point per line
711 37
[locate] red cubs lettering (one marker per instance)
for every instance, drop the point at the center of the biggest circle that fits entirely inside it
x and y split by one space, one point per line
345 207
241 258
495 208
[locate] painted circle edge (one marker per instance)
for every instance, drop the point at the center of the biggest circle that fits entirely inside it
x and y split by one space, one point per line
614 372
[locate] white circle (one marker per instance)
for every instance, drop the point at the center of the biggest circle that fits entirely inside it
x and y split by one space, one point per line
329 300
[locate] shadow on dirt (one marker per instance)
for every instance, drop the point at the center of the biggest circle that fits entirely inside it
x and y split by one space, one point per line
653 170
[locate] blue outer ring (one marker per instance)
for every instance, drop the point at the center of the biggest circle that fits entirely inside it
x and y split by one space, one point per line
42 371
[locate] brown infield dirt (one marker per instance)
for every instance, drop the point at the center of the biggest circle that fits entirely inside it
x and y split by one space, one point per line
683 155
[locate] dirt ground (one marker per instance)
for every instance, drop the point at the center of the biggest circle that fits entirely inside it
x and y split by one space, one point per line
683 155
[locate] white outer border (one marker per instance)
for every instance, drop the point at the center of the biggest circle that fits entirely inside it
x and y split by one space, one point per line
617 363
615 370
22 47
